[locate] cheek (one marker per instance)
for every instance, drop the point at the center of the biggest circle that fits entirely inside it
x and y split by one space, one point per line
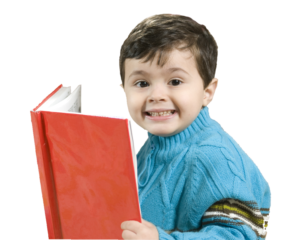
130 102
134 104
189 101
189 98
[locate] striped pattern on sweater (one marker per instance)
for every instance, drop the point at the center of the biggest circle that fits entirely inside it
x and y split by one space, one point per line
231 212
234 212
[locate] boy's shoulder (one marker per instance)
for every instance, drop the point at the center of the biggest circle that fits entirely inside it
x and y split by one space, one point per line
219 148
210 140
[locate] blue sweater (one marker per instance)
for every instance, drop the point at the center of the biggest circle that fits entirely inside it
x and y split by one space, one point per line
200 184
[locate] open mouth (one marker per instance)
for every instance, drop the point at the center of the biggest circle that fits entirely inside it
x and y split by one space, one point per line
172 112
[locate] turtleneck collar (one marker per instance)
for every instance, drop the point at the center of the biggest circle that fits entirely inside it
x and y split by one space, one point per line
201 122
162 150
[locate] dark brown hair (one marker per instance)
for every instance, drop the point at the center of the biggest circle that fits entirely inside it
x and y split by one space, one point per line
164 32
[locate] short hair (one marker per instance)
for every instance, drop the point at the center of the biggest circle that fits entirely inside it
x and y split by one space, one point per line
164 32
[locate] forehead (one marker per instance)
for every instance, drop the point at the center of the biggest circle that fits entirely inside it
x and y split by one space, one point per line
183 59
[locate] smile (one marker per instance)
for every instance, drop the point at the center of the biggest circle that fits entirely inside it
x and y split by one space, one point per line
161 116
164 113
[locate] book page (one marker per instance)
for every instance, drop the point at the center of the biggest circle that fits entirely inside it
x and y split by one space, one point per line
133 154
60 95
70 104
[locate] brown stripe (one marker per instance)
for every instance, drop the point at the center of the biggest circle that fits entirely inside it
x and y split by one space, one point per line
241 207
266 214
242 216
234 223
223 221
247 203
228 211
265 209
266 224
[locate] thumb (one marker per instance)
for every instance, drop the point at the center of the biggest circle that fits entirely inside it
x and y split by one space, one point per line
145 222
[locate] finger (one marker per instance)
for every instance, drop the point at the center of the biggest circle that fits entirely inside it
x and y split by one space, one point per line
126 234
133 226
146 223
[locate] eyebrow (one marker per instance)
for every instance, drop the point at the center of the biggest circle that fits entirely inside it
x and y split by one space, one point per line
170 70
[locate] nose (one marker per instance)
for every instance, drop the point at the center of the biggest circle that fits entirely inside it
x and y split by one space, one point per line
158 93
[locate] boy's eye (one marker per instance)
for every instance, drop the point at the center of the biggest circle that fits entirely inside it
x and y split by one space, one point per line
177 81
140 82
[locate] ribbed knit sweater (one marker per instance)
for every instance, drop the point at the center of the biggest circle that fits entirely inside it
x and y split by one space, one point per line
200 184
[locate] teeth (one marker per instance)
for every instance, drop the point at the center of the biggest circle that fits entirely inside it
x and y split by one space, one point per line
165 113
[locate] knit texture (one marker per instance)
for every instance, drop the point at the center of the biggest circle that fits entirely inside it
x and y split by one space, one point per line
200 184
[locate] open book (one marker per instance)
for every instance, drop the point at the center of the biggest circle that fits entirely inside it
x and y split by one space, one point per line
87 167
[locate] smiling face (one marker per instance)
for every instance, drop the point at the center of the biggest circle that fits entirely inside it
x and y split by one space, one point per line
165 100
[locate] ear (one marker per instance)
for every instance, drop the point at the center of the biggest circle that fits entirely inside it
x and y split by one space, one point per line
210 91
121 85
214 84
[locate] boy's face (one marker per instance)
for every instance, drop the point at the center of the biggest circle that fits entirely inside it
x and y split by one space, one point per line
153 91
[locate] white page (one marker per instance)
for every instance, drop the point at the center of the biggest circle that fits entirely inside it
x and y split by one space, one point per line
60 95
134 159
70 104
133 153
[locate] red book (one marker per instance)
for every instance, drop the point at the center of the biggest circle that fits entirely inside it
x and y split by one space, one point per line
87 169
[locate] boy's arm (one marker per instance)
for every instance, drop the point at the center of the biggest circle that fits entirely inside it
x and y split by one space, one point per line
227 219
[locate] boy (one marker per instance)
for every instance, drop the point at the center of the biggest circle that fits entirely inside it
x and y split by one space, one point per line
195 182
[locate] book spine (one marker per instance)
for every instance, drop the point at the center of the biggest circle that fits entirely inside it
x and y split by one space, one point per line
46 177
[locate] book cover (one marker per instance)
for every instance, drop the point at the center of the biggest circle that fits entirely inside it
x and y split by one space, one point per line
87 169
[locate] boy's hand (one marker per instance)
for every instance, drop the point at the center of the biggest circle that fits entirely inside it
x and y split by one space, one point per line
137 230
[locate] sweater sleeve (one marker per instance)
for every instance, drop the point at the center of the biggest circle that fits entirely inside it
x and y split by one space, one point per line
220 202
225 219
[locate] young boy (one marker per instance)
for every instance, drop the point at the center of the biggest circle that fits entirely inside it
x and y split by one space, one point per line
195 181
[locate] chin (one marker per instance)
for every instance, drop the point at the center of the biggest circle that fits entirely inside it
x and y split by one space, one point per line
162 133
